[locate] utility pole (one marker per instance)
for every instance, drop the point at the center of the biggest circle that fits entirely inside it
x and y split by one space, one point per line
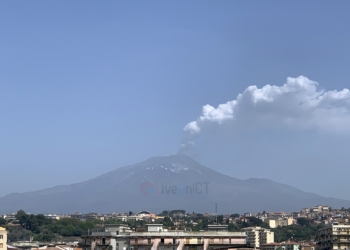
216 212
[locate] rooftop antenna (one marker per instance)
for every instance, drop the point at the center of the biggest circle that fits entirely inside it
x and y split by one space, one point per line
216 212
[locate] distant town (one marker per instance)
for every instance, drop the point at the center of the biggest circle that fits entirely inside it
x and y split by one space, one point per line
316 228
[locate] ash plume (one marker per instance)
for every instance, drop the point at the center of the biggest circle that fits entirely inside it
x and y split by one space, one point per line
298 104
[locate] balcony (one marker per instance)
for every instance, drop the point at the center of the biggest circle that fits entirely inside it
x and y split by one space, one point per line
84 244
102 234
106 243
341 241
140 244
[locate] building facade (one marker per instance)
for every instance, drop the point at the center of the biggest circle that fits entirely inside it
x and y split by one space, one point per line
257 236
179 240
3 239
155 238
279 222
333 237
111 237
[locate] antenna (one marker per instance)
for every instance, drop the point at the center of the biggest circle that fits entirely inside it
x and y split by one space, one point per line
216 212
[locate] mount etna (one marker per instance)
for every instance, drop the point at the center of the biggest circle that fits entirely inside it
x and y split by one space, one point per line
166 183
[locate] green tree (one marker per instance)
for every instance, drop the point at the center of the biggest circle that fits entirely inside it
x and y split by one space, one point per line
234 215
167 222
303 222
3 222
220 219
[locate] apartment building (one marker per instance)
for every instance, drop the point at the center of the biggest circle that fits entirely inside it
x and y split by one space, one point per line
180 240
3 239
334 236
282 222
52 216
320 209
111 237
157 238
257 236
8 217
279 222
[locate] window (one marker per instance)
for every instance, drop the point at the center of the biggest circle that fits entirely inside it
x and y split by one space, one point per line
1 237
162 240
1 245
149 241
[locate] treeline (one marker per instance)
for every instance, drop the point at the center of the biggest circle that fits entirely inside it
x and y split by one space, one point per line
43 229
172 212
305 229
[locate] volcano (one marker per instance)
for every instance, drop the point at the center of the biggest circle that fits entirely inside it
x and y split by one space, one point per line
166 183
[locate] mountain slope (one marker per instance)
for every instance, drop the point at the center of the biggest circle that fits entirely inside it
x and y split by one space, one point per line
163 183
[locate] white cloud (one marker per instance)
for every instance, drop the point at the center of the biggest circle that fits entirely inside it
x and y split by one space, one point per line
299 103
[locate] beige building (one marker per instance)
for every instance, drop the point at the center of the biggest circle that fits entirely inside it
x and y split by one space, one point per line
285 222
3 239
333 237
320 209
257 236
280 222
273 223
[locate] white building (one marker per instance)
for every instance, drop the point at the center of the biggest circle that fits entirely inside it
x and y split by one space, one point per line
333 237
257 236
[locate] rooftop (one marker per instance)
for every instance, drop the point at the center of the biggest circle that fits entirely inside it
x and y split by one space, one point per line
187 233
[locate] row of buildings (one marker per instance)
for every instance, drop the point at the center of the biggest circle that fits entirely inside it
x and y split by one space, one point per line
216 237
143 215
120 237
154 237
319 214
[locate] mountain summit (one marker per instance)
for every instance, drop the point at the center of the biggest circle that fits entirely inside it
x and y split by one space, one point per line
163 183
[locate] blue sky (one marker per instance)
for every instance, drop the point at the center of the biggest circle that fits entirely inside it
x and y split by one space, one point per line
89 86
